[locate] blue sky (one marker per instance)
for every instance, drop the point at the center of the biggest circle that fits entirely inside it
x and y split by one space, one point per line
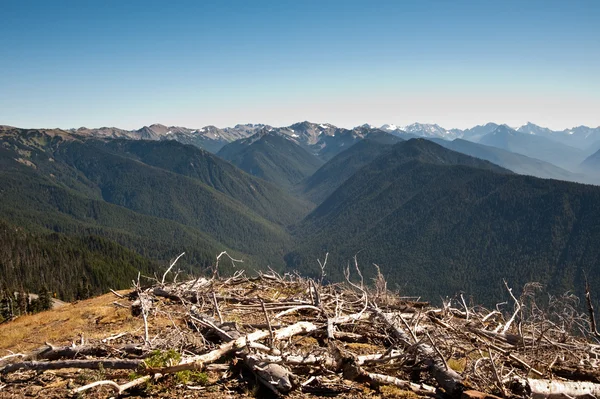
455 63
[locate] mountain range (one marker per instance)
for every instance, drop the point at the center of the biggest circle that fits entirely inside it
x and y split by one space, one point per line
471 207
566 148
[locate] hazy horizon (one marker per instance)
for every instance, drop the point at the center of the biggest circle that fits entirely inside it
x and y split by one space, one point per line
458 64
288 124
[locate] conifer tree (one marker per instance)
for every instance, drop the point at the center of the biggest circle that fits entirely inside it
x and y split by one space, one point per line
45 302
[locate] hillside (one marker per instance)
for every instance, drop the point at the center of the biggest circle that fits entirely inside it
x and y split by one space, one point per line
337 170
271 157
592 163
156 199
517 163
420 211
354 345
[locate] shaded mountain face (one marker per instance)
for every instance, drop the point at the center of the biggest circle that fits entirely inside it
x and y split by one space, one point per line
477 132
153 198
582 137
592 162
534 146
517 163
272 157
591 167
337 170
436 222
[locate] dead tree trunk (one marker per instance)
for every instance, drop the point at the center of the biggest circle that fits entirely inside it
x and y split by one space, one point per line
447 378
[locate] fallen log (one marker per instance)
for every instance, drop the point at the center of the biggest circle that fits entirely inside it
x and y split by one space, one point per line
198 362
50 352
447 378
554 389
577 374
94 364
274 376
421 389
120 389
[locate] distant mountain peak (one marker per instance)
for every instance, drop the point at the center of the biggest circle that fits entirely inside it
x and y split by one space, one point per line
389 127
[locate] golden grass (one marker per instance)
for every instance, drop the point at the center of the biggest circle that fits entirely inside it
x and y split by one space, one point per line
363 348
457 365
390 391
95 318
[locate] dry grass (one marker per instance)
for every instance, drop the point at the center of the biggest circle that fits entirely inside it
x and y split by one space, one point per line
95 318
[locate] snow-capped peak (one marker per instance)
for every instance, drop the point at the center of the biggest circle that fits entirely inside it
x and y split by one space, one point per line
389 127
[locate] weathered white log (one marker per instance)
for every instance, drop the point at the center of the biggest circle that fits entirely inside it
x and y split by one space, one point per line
389 380
198 362
120 389
295 309
554 389
112 384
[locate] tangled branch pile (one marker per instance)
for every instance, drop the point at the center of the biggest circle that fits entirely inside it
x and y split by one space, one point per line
300 337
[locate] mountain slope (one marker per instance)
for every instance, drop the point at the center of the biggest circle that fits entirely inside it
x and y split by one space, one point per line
271 157
591 167
263 198
154 198
592 162
477 132
534 147
436 222
582 137
518 163
337 170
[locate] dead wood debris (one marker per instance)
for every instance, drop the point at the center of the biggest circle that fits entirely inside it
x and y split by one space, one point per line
299 335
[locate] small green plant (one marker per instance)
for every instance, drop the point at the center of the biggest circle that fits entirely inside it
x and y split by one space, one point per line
101 373
160 358
192 376
133 375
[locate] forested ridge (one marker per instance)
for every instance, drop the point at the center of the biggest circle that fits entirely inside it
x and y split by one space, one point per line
435 226
272 157
152 200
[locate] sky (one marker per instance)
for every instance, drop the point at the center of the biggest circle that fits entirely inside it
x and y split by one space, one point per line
194 63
